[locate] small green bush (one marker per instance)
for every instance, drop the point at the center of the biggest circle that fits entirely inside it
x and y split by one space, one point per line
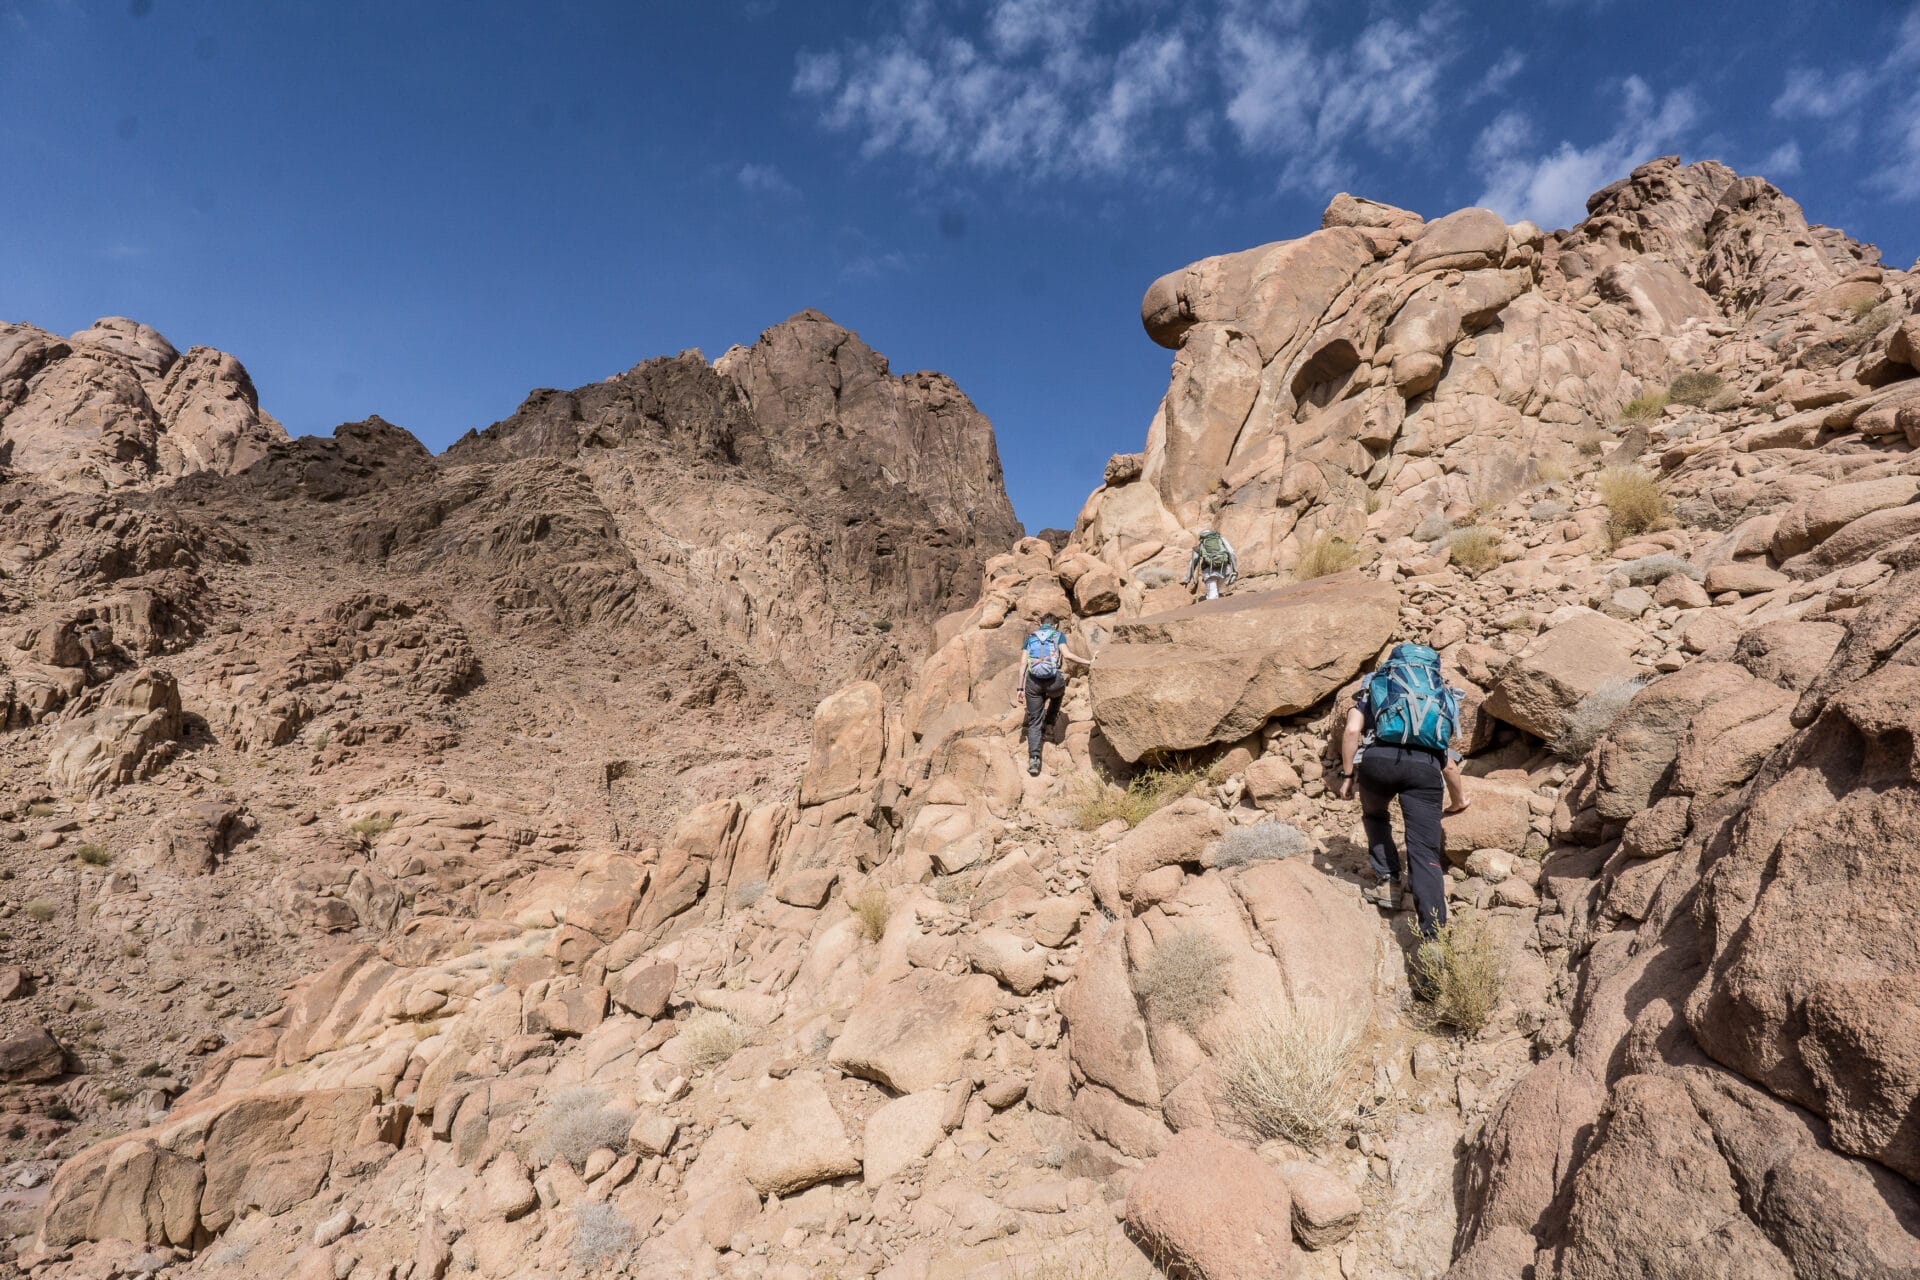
1147 793
1648 570
1432 527
1591 442
870 909
94 855
1184 980
1695 388
40 910
1635 501
1644 408
372 826
1475 549
1463 972
1327 555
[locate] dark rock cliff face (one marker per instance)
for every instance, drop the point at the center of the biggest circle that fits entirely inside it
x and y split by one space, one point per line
795 493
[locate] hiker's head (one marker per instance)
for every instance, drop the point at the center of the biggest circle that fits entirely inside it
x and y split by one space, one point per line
1049 619
1206 533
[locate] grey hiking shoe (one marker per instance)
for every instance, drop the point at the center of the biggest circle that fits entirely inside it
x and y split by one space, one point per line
1033 766
1384 894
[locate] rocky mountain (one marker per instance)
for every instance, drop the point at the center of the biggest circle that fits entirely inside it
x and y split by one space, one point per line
897 1008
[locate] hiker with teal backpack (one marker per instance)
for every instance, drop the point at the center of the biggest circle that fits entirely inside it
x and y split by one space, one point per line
1043 682
1398 742
1215 562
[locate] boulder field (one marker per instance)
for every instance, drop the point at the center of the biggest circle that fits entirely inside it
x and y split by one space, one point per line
900 1010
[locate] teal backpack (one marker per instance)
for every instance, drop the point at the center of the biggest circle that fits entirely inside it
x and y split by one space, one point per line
1412 705
1043 653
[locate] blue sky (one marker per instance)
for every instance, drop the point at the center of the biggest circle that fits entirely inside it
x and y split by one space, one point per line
425 210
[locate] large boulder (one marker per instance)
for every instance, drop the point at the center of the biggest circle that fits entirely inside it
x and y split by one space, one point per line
1216 671
915 1032
1538 690
796 1140
125 731
31 1056
849 741
1214 1209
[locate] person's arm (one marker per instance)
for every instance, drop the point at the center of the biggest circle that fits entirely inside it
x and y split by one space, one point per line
1071 656
1020 681
1456 785
1349 745
1233 561
1192 563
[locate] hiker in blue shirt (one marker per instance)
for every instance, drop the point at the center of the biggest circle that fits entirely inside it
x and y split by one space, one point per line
1043 682
1398 742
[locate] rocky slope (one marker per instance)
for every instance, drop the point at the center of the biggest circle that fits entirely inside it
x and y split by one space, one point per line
320 690
1648 484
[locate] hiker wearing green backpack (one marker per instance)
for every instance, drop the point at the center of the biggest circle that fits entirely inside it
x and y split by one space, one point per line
1398 742
1215 562
1043 682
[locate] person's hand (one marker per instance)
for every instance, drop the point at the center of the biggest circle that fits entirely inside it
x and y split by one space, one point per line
1346 787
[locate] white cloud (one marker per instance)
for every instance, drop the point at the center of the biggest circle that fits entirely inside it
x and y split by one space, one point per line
1878 101
1781 162
1498 76
1819 96
766 180
1051 88
1551 187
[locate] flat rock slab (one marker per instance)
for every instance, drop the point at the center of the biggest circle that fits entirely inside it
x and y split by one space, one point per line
1218 670
915 1033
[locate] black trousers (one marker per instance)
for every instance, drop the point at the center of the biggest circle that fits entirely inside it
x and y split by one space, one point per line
1386 771
1043 704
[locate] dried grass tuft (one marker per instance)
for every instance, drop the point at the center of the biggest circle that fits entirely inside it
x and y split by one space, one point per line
1291 1073
1464 972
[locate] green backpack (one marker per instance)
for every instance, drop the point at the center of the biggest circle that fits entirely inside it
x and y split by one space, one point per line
1213 551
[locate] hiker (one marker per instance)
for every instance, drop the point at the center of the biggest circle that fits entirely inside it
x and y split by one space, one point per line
1213 558
1043 681
1398 742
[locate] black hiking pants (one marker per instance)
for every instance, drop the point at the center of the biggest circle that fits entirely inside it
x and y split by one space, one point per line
1385 771
1043 705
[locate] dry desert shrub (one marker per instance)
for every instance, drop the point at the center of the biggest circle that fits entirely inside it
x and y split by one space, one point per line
1148 792
1695 387
1261 842
39 910
1591 442
600 1234
1635 501
1475 549
1326 555
1463 972
1593 715
1184 980
709 1039
870 909
1658 568
1549 509
1289 1073
1432 527
577 1123
1552 468
94 855
1155 575
1644 408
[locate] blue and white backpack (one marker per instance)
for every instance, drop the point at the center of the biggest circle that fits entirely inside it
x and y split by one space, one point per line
1411 704
1043 652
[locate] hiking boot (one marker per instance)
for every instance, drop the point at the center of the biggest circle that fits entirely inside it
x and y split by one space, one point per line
1033 766
1384 894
